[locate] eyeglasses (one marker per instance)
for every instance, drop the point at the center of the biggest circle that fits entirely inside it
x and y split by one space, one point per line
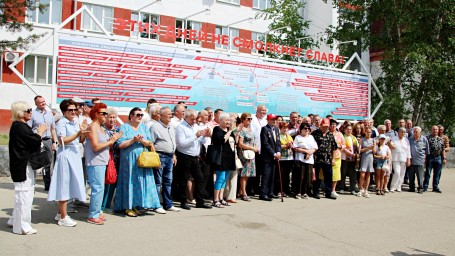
71 109
103 113
28 110
139 115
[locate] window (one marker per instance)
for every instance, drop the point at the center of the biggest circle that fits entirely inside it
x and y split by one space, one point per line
233 32
51 15
38 69
255 36
104 14
145 17
261 4
189 25
230 1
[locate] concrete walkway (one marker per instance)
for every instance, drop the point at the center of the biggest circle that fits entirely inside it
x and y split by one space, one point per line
396 224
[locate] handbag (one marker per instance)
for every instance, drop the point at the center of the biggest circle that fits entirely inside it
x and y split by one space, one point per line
213 155
148 159
238 164
39 159
386 166
248 154
111 172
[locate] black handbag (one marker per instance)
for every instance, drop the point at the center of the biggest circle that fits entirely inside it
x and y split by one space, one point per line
40 159
213 155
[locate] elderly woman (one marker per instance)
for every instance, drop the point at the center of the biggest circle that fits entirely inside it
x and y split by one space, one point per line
230 192
111 128
22 144
336 158
368 147
286 160
136 189
401 157
67 180
220 138
97 147
247 141
304 147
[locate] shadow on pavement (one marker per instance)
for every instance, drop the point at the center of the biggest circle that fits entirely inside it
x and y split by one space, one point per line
418 253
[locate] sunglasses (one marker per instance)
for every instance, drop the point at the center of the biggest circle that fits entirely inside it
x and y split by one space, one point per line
71 109
139 115
249 118
103 113
28 110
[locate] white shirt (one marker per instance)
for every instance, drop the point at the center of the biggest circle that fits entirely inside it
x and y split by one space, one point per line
256 126
175 121
307 142
187 142
208 140
402 150
384 150
150 123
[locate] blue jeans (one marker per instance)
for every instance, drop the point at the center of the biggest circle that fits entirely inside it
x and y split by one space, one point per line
95 175
221 177
434 163
163 176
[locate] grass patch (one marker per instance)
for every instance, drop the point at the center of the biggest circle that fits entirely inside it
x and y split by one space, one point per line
4 138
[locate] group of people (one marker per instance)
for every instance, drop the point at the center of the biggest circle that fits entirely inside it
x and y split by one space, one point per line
206 154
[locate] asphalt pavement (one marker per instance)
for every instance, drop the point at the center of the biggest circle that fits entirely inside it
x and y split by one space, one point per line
395 224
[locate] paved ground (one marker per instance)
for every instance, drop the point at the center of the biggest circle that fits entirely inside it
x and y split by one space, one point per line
396 224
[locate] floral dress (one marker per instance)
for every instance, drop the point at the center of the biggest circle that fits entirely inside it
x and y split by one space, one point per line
249 165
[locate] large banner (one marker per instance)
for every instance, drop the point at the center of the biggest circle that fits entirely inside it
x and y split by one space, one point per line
125 74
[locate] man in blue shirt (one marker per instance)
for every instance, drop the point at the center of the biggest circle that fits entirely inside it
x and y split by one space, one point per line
419 150
189 139
43 116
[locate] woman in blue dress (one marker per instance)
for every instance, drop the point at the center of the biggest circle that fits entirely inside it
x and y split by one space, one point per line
68 177
136 187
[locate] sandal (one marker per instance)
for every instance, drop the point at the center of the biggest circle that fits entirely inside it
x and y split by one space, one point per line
223 202
217 204
246 198
138 212
130 213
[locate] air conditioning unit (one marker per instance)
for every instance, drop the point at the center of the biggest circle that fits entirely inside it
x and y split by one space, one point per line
11 57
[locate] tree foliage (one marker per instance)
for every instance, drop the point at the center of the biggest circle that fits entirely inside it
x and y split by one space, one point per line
284 13
416 39
10 13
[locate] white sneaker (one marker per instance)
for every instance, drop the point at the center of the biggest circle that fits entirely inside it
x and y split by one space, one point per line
298 196
67 222
173 209
360 193
160 211
9 223
366 195
30 232
58 217
334 195
386 190
191 202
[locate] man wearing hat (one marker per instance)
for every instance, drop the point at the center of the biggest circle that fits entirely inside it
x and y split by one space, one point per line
270 154
323 158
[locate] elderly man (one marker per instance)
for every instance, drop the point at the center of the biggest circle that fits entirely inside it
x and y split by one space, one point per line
179 113
316 122
256 125
189 139
419 150
216 118
435 159
42 116
409 128
323 159
388 129
368 123
293 124
270 153
163 137
155 115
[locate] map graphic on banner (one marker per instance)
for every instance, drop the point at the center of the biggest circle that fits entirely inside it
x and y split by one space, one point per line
125 74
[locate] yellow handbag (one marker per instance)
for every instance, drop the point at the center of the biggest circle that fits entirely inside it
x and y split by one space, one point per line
148 159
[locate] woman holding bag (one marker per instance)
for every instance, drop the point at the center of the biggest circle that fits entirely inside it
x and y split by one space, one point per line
220 138
247 142
96 158
67 180
136 189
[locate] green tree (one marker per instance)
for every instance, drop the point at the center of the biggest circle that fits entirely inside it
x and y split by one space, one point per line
417 42
284 13
10 11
